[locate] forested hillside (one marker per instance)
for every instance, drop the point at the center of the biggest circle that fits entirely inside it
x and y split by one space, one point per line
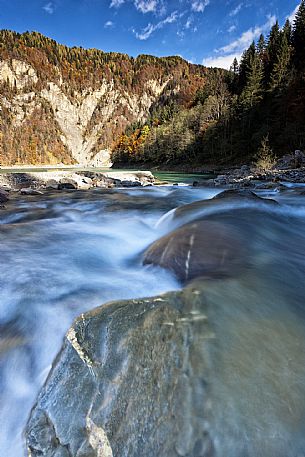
261 100
61 104
71 105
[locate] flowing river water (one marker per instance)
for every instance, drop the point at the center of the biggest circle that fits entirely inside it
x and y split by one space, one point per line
65 253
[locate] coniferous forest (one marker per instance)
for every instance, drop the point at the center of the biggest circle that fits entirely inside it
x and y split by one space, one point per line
261 99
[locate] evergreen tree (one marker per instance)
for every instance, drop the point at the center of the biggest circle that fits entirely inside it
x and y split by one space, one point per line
235 75
245 64
272 50
261 46
235 67
280 67
253 90
298 36
287 29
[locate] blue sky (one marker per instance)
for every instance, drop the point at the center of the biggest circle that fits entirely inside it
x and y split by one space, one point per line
211 32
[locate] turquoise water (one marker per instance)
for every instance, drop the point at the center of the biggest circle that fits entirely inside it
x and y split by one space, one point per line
175 177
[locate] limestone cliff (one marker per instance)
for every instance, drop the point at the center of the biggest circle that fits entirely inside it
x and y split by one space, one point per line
60 104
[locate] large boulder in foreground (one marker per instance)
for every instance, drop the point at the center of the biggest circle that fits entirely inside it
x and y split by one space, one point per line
121 386
199 249
216 370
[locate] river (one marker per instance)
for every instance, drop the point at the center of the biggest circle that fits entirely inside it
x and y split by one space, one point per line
65 253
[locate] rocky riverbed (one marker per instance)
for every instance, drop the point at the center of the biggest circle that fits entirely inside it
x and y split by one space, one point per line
199 372
197 348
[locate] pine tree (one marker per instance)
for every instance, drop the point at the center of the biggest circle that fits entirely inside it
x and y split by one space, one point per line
280 67
287 29
261 46
235 75
253 90
235 67
272 50
298 36
245 63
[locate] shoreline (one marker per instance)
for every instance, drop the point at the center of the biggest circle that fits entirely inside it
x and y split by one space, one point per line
35 182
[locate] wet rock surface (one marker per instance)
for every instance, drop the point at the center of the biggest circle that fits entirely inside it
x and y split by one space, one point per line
200 249
177 375
214 370
4 196
124 385
225 200
242 194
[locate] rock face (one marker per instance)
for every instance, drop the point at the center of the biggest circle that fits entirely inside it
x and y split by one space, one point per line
199 249
89 106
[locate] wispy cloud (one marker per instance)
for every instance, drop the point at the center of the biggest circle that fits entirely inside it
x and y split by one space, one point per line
199 6
247 37
189 23
143 6
225 55
151 28
108 25
146 6
236 10
49 8
232 28
116 3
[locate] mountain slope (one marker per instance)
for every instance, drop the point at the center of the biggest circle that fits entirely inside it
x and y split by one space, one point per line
60 104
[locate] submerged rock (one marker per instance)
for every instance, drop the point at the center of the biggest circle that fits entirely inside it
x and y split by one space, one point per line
222 201
203 248
243 194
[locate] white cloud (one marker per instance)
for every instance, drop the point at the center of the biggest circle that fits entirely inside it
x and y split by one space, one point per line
247 37
291 16
49 8
221 61
108 25
199 6
116 3
189 23
232 28
151 28
236 10
226 54
146 6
